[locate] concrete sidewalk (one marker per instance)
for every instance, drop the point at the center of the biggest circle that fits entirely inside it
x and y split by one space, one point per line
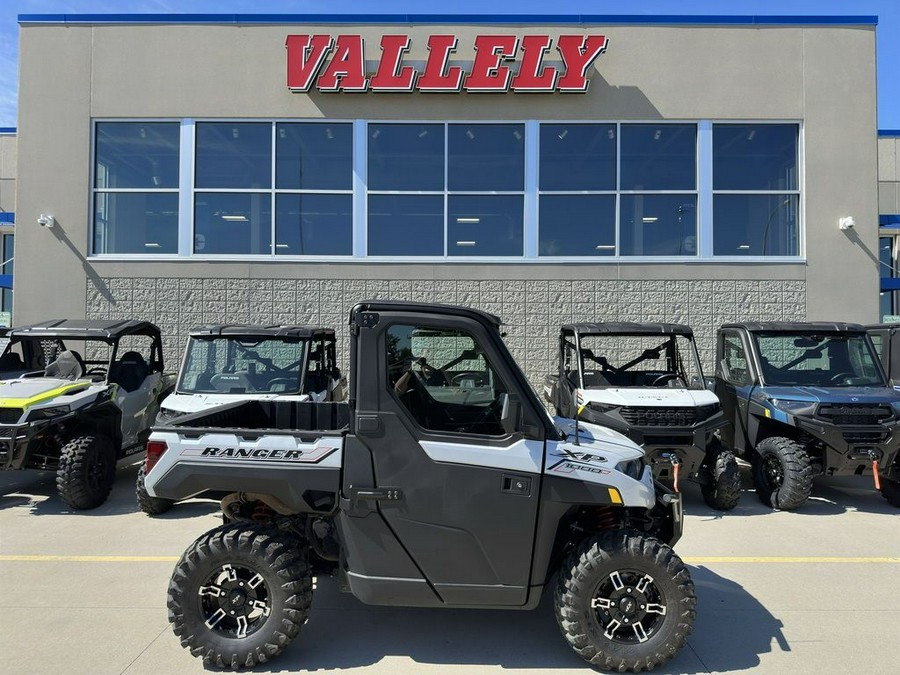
814 591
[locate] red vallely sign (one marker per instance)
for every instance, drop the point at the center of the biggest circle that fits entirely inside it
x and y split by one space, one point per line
491 70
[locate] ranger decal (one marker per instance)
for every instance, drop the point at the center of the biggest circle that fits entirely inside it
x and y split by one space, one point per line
311 456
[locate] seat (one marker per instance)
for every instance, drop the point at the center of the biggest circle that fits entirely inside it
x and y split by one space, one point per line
130 371
68 366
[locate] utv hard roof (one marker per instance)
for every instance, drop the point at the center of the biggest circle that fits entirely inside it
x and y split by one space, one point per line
627 328
798 327
423 307
84 329
248 330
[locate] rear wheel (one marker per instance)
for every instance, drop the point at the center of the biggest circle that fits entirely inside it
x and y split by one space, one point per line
152 506
782 473
87 469
239 595
721 484
625 601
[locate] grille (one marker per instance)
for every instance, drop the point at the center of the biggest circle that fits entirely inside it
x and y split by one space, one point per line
659 417
10 415
855 414
864 436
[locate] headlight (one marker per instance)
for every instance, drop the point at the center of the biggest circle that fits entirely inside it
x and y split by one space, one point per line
705 411
793 407
633 468
48 413
601 407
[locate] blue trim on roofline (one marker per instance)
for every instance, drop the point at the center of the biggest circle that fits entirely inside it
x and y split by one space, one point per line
889 132
890 284
7 130
530 19
7 217
889 220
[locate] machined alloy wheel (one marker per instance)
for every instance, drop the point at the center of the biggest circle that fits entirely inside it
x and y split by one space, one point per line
240 594
625 601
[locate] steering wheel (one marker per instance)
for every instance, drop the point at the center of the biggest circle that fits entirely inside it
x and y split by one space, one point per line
842 376
427 372
477 378
96 370
665 377
286 381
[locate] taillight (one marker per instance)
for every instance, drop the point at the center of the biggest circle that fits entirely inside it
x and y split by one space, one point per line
155 450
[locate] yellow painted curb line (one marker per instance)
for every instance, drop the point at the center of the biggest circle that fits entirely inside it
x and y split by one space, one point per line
790 560
691 560
88 558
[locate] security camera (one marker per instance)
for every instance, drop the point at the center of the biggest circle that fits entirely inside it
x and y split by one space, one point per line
46 220
847 223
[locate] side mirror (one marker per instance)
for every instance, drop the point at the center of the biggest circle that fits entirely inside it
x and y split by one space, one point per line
510 413
723 369
710 383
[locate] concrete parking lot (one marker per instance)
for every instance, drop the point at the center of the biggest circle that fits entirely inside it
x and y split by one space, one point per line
814 591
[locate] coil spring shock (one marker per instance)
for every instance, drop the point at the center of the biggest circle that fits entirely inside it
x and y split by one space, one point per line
606 518
262 512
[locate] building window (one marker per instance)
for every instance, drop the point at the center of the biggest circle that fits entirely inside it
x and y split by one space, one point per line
136 187
577 183
645 173
445 189
756 190
448 190
314 189
658 182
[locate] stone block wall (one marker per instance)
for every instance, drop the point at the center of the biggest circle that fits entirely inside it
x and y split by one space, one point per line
532 310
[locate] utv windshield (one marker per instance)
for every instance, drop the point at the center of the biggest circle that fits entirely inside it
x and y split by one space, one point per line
635 361
230 365
819 360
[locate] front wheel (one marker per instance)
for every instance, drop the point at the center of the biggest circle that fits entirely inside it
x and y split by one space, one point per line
890 490
239 595
721 485
782 473
86 472
625 601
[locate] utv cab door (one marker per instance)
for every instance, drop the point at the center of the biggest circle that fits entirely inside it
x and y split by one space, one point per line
735 379
448 515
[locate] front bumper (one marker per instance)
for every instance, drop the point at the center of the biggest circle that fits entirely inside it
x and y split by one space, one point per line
849 450
687 442
15 441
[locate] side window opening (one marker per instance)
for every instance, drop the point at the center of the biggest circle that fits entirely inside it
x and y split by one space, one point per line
445 381
734 361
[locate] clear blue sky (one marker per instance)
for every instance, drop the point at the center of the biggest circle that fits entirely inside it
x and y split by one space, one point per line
888 35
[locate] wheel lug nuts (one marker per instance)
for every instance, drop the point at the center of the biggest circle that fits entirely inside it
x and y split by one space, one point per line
232 613
626 620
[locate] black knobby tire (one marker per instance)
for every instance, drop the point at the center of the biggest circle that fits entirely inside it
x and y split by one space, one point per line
267 588
721 485
152 506
86 472
782 473
890 490
625 601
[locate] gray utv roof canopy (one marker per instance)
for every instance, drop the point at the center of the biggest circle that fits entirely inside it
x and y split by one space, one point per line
798 327
84 329
628 328
260 331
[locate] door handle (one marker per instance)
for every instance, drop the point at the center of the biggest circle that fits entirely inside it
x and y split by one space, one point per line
516 485
376 494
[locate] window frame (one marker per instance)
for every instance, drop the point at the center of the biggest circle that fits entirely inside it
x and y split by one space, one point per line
799 193
530 196
93 190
